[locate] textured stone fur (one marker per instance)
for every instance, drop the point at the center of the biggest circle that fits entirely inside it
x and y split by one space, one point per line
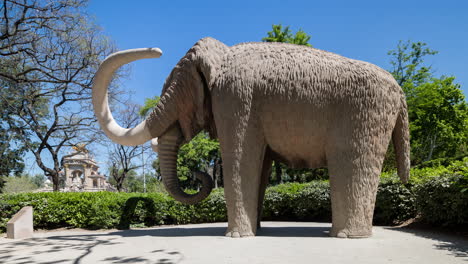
300 105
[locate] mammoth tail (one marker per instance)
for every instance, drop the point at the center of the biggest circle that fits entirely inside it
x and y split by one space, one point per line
401 143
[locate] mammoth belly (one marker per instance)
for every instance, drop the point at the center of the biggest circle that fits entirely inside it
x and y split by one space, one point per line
299 156
297 162
296 137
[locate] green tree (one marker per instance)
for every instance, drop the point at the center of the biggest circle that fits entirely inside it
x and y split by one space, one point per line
150 104
50 51
19 184
437 108
200 154
133 183
438 120
129 182
280 34
38 180
408 67
12 149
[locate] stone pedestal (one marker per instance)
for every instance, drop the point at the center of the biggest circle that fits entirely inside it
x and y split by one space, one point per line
21 225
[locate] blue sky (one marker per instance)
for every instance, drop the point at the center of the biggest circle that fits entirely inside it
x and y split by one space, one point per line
364 30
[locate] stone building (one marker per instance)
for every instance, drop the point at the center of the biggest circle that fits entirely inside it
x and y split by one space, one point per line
81 173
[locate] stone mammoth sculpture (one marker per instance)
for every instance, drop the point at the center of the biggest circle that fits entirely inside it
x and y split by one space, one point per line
264 101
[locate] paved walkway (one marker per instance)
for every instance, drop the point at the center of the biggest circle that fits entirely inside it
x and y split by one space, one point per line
277 242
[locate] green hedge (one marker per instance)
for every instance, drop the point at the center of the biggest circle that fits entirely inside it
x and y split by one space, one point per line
438 200
110 210
298 202
444 200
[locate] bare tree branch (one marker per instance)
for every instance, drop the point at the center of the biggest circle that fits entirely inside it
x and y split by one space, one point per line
122 158
49 54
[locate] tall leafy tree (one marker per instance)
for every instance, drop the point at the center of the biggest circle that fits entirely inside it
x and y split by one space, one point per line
12 149
11 154
439 119
437 108
408 65
200 154
50 52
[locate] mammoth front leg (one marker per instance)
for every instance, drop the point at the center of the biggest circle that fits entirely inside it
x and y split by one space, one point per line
242 155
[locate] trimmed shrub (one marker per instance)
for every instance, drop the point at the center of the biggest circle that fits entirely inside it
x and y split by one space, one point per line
212 209
81 210
129 212
442 201
437 200
298 202
394 203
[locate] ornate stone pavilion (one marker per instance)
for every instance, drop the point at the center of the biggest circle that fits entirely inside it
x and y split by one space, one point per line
81 173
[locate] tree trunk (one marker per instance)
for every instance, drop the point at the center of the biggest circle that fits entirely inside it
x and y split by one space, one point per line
55 181
121 181
215 170
432 146
220 173
278 172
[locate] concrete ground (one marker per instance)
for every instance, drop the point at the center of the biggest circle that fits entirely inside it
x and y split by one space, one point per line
276 242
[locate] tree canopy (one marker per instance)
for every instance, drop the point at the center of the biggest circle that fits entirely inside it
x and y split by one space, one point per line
437 110
280 34
150 104
200 154
50 52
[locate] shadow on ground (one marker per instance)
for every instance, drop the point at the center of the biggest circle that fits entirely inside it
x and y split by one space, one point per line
455 243
219 231
73 249
108 247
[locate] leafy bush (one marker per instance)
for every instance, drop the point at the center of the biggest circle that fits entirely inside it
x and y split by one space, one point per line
18 184
394 203
421 174
110 210
298 202
445 162
440 200
133 208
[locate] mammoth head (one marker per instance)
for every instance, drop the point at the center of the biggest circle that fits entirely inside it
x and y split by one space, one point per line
183 110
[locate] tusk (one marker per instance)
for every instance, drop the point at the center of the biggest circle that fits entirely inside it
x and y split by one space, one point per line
124 136
154 144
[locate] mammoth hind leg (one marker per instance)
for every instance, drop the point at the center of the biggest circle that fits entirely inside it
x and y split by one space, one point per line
354 179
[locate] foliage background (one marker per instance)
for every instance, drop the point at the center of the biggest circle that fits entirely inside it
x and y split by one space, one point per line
438 196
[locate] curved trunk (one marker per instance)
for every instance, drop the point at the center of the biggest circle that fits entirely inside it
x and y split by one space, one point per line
168 146
124 136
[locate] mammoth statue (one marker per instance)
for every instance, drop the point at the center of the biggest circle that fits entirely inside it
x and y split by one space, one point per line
272 101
